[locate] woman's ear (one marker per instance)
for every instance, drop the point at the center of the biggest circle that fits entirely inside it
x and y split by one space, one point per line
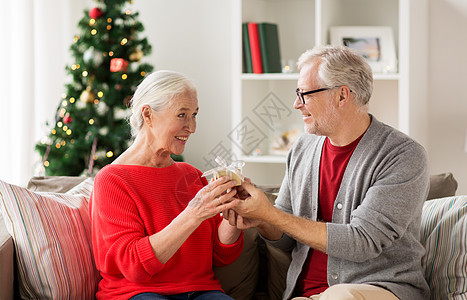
146 112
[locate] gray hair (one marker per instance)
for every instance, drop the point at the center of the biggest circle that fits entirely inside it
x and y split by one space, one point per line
340 65
157 91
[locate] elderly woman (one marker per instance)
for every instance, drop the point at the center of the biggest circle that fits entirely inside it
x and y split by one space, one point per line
156 224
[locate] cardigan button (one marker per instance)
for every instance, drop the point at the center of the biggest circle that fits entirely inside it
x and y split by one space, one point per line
335 276
339 206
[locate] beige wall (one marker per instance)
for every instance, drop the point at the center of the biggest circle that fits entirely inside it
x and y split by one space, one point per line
447 114
193 37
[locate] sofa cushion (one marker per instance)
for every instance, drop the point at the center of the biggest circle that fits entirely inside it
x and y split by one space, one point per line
444 235
442 185
278 262
239 279
56 184
52 235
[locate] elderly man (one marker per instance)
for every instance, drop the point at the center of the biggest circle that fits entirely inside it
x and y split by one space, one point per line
350 203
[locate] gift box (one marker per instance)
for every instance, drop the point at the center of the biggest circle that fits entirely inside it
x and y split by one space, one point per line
234 170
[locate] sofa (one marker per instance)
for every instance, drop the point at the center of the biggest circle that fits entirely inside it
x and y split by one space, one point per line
45 244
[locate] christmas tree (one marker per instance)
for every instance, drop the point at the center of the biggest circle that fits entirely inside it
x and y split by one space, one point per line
90 127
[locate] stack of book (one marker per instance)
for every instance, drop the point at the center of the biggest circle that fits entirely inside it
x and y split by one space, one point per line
261 52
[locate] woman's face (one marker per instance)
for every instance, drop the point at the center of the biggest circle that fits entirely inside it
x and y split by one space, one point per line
173 126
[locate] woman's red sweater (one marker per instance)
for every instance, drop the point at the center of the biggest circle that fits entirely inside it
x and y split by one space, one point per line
128 204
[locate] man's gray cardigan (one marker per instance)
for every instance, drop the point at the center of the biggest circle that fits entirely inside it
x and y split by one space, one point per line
374 234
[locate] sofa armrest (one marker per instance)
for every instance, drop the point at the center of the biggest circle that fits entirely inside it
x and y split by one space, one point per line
6 263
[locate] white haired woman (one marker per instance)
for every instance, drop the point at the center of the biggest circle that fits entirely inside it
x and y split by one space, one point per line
156 223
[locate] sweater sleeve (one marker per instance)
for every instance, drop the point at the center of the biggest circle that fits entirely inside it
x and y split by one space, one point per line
224 255
120 243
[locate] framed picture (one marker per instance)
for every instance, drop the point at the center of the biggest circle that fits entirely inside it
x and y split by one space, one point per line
375 43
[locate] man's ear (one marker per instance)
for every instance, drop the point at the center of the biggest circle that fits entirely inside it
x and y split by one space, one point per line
344 95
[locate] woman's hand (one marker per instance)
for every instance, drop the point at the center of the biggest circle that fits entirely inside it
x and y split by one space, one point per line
228 233
213 199
208 202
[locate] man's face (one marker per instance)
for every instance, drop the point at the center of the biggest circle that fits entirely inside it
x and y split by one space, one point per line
319 112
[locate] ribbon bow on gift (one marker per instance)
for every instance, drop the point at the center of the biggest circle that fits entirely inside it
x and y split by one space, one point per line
234 170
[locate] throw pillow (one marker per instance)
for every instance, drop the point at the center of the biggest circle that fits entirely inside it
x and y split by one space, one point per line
52 236
444 235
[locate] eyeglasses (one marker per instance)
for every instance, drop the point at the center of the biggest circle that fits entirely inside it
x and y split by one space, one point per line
301 94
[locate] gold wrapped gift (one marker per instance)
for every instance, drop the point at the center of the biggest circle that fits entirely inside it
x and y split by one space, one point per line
234 170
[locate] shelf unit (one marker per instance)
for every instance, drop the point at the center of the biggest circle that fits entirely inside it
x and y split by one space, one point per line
398 98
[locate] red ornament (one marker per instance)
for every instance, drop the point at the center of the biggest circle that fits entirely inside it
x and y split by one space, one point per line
67 119
95 13
118 64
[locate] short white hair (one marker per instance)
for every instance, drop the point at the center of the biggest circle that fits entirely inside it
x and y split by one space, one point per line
157 91
341 65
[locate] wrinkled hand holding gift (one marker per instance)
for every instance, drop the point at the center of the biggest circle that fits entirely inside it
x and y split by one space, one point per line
234 170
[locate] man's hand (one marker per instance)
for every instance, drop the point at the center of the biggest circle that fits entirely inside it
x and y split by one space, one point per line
256 210
255 204
242 193
253 209
239 221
